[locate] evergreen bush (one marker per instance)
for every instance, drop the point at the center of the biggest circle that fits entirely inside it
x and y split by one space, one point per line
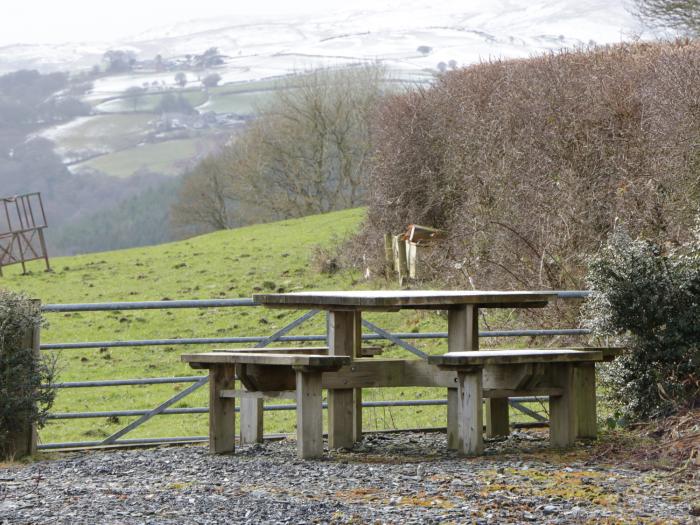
647 298
25 396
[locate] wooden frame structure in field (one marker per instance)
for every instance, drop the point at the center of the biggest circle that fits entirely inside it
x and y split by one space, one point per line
22 224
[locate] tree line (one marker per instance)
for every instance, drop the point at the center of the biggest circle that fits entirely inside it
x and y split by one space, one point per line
307 152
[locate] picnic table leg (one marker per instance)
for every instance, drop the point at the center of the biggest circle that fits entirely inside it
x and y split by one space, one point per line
357 395
460 337
562 409
341 402
463 335
497 417
470 397
452 419
222 423
251 420
309 414
584 390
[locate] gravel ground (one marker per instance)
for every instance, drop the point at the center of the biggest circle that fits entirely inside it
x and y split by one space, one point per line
388 478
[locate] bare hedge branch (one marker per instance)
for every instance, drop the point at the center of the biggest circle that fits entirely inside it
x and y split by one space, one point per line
529 164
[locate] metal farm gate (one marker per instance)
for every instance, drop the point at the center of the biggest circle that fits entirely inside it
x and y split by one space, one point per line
373 333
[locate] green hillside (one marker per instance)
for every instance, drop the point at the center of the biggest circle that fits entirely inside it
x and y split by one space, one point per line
226 264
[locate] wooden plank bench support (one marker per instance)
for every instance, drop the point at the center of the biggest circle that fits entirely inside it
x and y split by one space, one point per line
365 351
307 369
470 441
309 414
222 411
251 410
519 368
269 394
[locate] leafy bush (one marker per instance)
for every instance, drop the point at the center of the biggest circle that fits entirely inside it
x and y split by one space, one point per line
24 396
649 300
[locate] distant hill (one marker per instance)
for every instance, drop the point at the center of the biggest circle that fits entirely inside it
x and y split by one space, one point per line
129 130
261 47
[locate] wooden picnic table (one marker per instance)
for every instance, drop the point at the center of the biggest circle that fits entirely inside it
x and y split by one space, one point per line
345 337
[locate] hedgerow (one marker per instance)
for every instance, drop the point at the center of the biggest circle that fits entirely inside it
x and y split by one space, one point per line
529 164
25 377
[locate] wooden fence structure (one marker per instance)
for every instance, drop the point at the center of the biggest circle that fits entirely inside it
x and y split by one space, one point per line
22 224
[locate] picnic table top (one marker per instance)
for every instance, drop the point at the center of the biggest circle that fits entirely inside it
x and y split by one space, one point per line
397 299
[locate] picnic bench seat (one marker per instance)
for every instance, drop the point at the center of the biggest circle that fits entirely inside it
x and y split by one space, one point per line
223 368
567 375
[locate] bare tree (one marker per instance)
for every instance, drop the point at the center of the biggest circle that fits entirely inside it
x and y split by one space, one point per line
679 15
307 153
313 143
181 79
206 200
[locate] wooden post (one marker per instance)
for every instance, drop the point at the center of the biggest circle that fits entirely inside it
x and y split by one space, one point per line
309 414
23 441
341 402
222 423
497 417
412 256
398 249
357 392
470 428
497 410
456 342
452 419
562 409
388 255
251 416
584 392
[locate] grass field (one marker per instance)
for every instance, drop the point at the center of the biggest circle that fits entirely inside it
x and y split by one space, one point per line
168 158
149 101
101 132
227 264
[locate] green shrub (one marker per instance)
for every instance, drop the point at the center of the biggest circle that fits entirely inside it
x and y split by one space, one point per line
648 299
24 397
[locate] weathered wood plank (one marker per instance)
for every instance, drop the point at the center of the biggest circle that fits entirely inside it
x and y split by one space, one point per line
222 424
309 415
497 416
584 391
502 357
324 362
470 427
251 420
246 394
365 351
310 350
357 392
341 403
393 299
562 409
461 335
452 419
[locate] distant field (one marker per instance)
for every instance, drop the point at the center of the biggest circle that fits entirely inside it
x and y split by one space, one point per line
149 101
245 103
227 264
100 133
163 157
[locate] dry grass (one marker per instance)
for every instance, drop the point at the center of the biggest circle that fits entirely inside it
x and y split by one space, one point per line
671 444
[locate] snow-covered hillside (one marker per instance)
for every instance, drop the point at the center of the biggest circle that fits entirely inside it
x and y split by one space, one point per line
393 32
